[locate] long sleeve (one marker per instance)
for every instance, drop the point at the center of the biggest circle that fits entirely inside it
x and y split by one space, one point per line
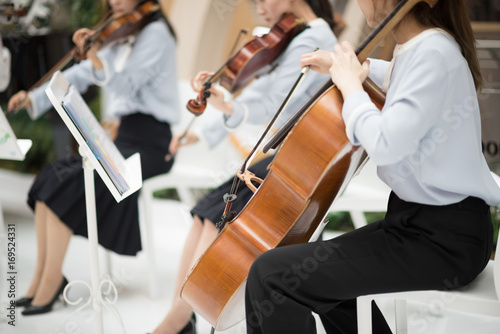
426 140
395 133
257 111
78 75
260 100
148 83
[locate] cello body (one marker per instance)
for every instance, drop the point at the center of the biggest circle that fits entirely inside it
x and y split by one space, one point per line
316 162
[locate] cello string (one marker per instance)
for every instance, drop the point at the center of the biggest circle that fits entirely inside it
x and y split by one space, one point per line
253 153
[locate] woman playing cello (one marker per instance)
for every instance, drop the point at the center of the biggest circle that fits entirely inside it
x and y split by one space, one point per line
256 104
426 145
139 72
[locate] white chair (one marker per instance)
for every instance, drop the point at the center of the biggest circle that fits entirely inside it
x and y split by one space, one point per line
365 193
182 178
195 167
481 297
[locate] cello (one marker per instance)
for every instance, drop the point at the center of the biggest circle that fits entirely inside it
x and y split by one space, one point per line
304 179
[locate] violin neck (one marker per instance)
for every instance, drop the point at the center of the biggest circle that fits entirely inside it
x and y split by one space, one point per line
59 66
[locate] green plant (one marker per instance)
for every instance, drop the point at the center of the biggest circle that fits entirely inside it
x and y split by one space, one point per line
86 13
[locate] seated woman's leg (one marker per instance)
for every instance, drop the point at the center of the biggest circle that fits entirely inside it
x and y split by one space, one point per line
41 242
199 238
57 236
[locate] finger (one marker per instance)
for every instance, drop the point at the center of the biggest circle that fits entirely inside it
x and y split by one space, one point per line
18 101
193 86
205 76
306 60
334 59
365 69
347 46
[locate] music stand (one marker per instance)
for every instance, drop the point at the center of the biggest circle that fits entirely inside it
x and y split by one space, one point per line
121 176
11 148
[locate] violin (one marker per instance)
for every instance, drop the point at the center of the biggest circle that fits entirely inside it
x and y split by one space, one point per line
250 59
111 29
311 168
119 26
247 63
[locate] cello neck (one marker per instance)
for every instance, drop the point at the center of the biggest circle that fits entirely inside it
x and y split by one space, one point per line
368 45
389 23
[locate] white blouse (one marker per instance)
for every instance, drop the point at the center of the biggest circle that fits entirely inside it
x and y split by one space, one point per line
426 141
140 73
260 100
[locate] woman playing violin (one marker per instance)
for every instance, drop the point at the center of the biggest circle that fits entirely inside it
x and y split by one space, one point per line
139 73
426 145
256 104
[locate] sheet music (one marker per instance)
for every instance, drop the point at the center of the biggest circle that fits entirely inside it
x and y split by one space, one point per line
99 143
9 145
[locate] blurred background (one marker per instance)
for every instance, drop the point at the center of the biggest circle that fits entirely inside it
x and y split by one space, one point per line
37 33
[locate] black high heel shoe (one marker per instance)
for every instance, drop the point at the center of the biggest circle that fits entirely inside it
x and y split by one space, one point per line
23 302
190 328
39 309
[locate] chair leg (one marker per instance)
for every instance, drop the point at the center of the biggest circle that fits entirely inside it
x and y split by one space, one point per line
358 218
401 317
145 199
364 313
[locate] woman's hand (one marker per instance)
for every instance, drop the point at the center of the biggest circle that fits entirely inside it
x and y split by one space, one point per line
18 101
111 126
188 139
216 98
199 80
347 73
79 38
319 61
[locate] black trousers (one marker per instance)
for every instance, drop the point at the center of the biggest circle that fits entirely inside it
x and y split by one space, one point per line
416 247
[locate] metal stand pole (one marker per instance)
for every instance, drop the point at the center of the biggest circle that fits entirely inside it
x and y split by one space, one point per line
92 235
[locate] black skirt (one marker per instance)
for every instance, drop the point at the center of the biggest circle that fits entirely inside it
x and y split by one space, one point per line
212 206
60 186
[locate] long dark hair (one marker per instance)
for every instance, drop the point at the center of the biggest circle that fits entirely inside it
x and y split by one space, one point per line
323 9
452 16
160 14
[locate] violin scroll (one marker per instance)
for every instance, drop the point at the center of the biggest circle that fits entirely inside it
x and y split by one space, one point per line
197 106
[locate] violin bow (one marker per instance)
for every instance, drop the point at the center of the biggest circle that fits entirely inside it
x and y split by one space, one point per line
206 86
243 174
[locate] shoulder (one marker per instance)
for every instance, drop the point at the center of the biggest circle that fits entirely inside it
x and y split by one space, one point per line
157 30
317 35
439 48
